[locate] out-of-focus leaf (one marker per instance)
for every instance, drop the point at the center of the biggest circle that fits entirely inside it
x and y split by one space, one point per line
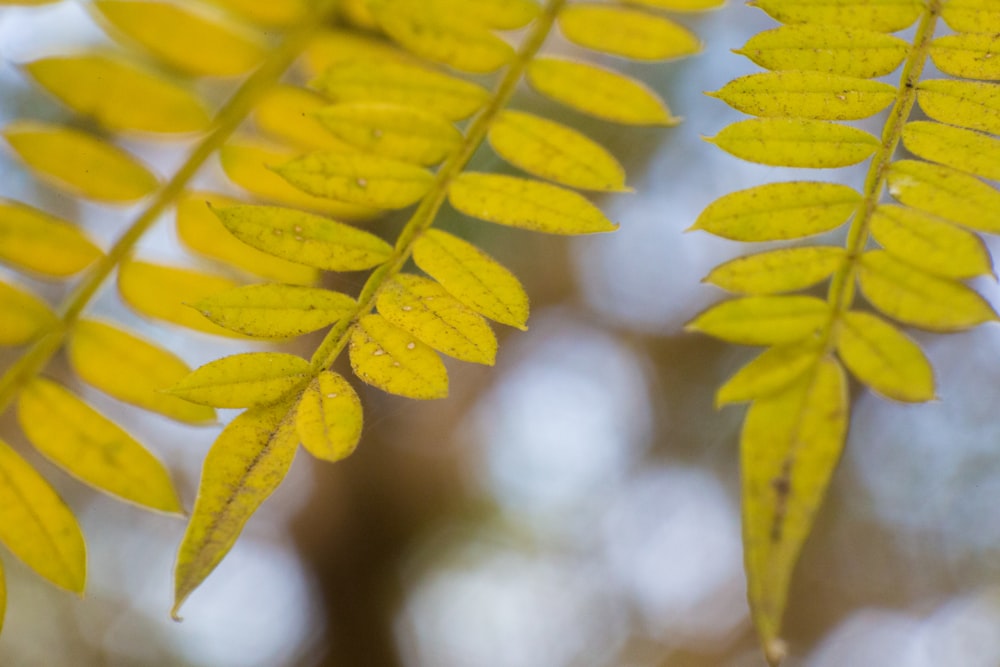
287 113
23 316
679 5
626 32
763 320
34 240
286 12
275 311
393 360
795 142
772 370
243 380
329 417
884 358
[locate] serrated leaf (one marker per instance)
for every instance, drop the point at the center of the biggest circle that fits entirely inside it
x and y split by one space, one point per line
679 5
187 40
79 163
779 211
244 380
772 370
391 359
305 238
968 104
824 48
598 92
930 243
815 95
25 316
131 369
276 311
288 112
425 309
970 151
792 142
249 165
329 417
37 526
164 292
884 358
36 241
626 32
763 320
402 133
92 448
283 13
968 55
789 447
200 229
775 271
919 299
527 204
393 82
880 15
357 178
972 15
553 151
118 95
472 277
246 464
947 193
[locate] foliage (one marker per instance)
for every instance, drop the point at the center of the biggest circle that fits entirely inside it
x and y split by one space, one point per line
822 63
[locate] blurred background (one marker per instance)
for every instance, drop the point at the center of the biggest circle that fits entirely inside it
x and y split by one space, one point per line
575 506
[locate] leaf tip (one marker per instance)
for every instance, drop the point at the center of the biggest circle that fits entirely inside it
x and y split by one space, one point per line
775 651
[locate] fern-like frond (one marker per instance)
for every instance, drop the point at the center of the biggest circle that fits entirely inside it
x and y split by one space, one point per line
908 259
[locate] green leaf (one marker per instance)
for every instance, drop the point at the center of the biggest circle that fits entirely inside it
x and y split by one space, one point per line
361 179
772 370
779 211
244 380
25 316
527 204
393 360
626 32
246 464
884 358
797 94
329 417
970 104
763 320
93 449
880 15
775 271
970 151
792 142
36 241
276 311
947 193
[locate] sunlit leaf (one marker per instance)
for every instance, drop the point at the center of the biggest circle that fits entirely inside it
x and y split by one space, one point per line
329 417
763 320
243 380
880 15
34 240
970 104
393 360
357 178
772 370
92 448
25 316
774 271
947 193
970 151
793 142
884 358
816 95
131 369
626 32
527 204
968 55
275 311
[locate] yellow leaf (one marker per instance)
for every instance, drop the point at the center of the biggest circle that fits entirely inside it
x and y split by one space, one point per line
305 238
792 142
880 15
276 311
824 48
440 38
626 32
763 320
779 211
970 151
884 358
25 316
118 95
93 449
249 165
3 595
287 113
187 40
814 95
393 82
679 5
947 193
356 178
329 417
968 55
200 229
553 151
498 14
527 204
34 240
246 464
774 271
472 277
930 243
425 309
403 133
972 15
968 104
920 299
772 370
387 357
37 526
164 292
132 370
244 380
338 47
598 92
789 447
80 163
